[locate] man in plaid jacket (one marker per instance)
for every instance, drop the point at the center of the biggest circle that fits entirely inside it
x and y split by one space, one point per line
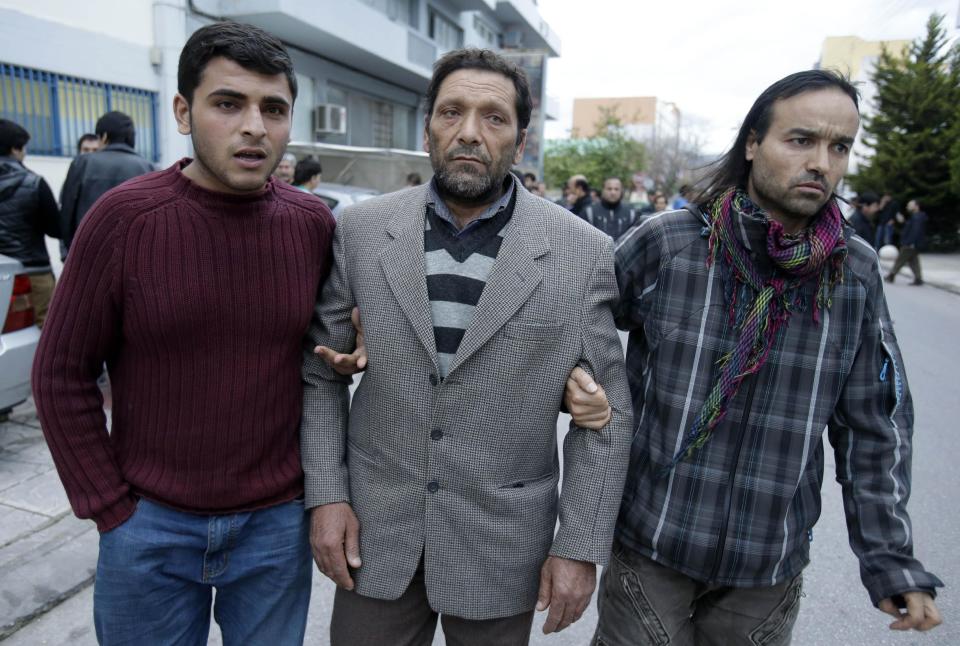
757 320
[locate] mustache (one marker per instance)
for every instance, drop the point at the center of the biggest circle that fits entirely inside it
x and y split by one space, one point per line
813 179
468 151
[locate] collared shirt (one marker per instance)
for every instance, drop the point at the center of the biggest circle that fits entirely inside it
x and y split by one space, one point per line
443 211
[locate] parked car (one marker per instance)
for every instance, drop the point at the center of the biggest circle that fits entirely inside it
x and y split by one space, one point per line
20 336
340 196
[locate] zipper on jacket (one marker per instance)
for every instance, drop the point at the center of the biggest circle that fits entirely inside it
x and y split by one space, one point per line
733 476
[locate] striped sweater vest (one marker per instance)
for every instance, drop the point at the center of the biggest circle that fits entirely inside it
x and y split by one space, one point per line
457 267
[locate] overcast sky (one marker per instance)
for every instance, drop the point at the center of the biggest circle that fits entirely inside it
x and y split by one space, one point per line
711 57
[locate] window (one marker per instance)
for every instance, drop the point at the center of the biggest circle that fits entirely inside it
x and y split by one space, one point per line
56 109
404 11
445 32
487 33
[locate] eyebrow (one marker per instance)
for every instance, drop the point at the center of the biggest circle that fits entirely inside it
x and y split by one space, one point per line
805 132
233 94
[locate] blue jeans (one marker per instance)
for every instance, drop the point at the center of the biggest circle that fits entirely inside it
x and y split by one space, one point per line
157 571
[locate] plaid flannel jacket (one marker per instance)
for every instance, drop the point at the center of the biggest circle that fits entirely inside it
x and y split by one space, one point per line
739 511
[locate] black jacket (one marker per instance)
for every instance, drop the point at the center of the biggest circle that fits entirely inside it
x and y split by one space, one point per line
27 212
863 227
914 232
612 219
92 175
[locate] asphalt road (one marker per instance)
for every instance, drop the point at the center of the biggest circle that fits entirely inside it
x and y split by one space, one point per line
836 609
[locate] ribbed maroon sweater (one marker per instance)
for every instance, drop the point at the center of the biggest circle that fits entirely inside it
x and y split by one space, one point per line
198 302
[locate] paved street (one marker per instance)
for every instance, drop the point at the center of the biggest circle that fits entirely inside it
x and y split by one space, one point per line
46 555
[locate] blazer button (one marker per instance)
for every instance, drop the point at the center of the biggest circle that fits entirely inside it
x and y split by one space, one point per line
433 379
436 434
433 486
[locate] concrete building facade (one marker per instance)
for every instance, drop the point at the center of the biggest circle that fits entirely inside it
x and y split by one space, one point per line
362 65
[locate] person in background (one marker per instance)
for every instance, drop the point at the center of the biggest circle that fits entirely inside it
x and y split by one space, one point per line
659 203
88 143
308 174
886 220
90 176
865 214
611 215
414 179
913 238
529 181
28 211
578 195
286 168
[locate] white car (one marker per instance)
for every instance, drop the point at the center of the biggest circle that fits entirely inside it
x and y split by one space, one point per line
340 196
18 342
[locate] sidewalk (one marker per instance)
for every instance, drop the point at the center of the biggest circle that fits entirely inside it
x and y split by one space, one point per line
940 270
47 555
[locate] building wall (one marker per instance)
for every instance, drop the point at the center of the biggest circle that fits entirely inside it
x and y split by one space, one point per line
849 54
632 112
136 43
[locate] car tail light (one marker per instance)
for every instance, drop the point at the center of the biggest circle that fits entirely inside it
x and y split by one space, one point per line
21 314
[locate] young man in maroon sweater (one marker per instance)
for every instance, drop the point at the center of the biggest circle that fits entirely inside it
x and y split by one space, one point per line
195 285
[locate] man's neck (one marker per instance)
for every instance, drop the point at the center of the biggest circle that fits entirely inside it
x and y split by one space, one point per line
610 205
465 212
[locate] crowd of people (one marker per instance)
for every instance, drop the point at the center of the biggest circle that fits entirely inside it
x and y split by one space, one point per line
880 222
232 312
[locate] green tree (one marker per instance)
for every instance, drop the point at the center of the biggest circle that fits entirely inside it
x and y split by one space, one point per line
914 131
611 153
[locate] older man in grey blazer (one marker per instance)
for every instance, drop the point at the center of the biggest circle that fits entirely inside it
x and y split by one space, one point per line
437 485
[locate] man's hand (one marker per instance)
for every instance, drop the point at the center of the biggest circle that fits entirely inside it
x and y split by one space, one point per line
335 541
586 401
565 587
347 364
921 612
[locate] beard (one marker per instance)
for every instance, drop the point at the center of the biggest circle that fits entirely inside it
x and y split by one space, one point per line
780 199
466 183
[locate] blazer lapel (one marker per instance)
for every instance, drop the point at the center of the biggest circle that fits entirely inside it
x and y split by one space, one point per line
514 276
403 266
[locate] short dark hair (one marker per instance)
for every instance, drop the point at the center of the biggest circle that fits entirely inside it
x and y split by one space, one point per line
306 168
530 176
250 47
486 60
733 169
12 136
87 136
414 179
582 185
868 197
118 127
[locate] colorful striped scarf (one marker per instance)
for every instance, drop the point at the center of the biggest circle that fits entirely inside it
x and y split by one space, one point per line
761 304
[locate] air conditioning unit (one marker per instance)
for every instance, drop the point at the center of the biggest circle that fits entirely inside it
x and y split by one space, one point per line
330 119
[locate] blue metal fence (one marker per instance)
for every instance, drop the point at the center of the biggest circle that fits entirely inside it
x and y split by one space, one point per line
56 109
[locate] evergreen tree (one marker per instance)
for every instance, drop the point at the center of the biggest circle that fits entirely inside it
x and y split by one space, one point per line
914 131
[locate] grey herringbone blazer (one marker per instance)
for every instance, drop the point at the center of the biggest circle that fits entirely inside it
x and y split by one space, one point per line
464 471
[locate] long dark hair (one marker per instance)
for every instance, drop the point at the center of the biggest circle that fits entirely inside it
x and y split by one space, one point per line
733 169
